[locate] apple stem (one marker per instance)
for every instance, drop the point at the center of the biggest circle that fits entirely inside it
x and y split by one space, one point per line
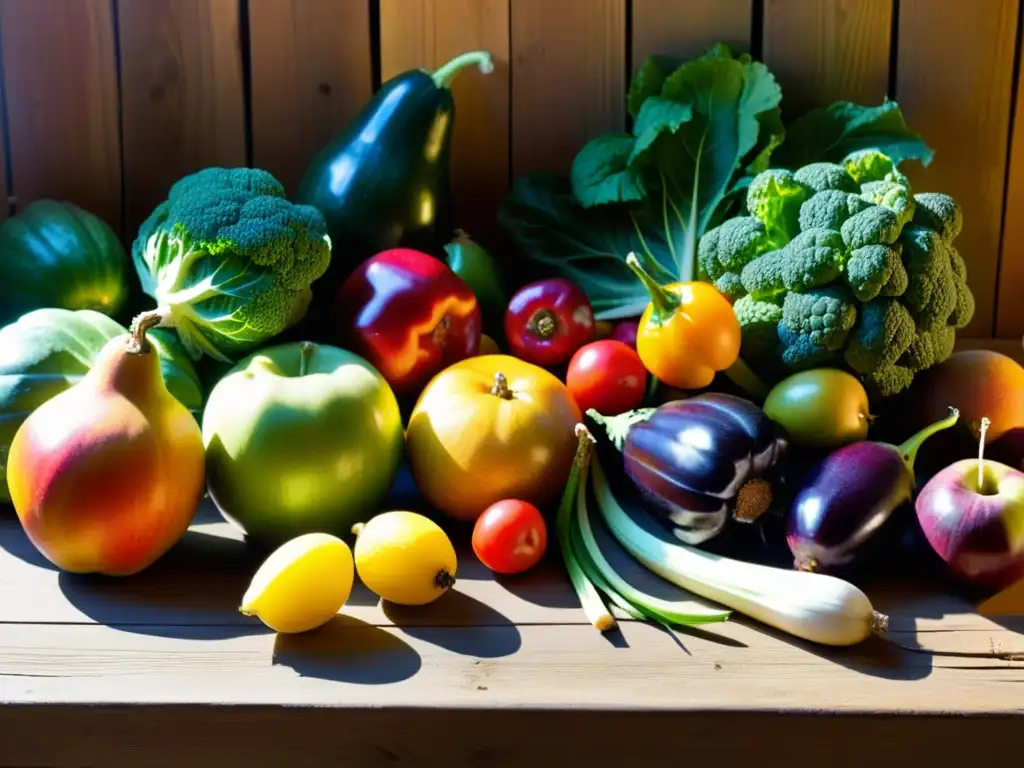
501 388
981 452
305 353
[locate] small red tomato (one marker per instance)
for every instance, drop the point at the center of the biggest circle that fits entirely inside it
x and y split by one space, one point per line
510 536
547 321
625 332
607 376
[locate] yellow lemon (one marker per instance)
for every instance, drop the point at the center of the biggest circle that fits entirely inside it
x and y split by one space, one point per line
404 557
302 584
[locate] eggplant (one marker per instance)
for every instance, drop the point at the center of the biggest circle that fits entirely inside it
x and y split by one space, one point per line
850 496
702 460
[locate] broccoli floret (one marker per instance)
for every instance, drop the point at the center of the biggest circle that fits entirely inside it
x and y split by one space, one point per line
887 379
867 165
230 260
872 225
774 197
963 312
759 322
929 348
731 245
730 286
956 261
885 330
873 268
940 213
822 176
931 295
829 209
892 193
813 258
815 323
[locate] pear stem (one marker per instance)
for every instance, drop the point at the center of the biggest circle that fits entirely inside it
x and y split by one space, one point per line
144 321
981 452
444 76
908 450
664 302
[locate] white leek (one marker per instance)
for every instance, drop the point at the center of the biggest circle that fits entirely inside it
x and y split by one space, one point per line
813 606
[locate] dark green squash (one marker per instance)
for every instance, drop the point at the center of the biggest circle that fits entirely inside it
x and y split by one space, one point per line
47 351
55 254
384 180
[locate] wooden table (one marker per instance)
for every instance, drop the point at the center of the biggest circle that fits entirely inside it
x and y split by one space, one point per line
161 670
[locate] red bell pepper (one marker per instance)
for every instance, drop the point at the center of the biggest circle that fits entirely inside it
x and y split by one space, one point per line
409 315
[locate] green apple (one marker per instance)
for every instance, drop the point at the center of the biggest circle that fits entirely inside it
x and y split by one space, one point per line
301 437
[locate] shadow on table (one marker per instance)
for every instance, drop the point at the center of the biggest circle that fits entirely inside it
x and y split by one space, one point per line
458 623
192 591
348 650
14 542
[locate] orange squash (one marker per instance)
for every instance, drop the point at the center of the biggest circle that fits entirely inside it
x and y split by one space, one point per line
489 428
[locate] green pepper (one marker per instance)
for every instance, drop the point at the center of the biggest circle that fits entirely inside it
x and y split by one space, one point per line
470 261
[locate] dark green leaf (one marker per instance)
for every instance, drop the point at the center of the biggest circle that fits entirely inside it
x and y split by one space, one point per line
657 116
601 175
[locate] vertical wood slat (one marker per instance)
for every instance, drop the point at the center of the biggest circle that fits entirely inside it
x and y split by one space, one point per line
1009 307
428 33
5 208
60 73
687 29
311 73
827 50
954 81
182 99
568 78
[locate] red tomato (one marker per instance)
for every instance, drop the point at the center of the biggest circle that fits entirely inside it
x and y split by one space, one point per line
546 321
607 376
510 536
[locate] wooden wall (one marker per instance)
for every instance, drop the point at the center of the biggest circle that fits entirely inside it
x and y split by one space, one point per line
106 102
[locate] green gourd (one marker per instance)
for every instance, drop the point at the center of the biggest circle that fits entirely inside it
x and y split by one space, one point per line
55 254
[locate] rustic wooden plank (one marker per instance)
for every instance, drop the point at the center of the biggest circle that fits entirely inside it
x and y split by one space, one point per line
961 105
1009 307
5 195
62 114
182 97
269 737
428 33
687 29
311 73
568 78
824 50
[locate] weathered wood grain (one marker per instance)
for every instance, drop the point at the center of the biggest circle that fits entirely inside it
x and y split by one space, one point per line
311 72
687 29
1009 307
428 33
62 112
826 50
182 97
568 78
954 79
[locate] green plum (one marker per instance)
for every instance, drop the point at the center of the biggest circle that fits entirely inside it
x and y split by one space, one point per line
300 438
820 408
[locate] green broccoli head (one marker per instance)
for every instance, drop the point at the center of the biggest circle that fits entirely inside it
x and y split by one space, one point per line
940 213
759 322
822 176
885 330
830 209
816 324
229 260
929 348
814 257
931 295
875 224
729 246
730 286
774 198
867 165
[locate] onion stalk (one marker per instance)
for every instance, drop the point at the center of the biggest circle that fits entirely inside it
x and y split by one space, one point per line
813 606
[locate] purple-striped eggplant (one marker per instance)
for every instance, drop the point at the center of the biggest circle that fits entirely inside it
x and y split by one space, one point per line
701 460
848 498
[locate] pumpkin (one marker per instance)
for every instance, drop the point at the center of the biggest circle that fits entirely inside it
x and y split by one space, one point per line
48 350
55 254
489 428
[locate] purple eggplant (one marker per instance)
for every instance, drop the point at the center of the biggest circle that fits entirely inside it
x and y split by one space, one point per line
698 461
848 498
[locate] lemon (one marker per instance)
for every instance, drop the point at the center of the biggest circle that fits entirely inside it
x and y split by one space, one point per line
302 584
404 557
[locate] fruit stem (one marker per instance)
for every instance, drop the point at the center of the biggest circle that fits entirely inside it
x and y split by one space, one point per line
500 387
142 322
664 302
908 449
542 323
444 579
444 75
306 350
981 452
357 529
